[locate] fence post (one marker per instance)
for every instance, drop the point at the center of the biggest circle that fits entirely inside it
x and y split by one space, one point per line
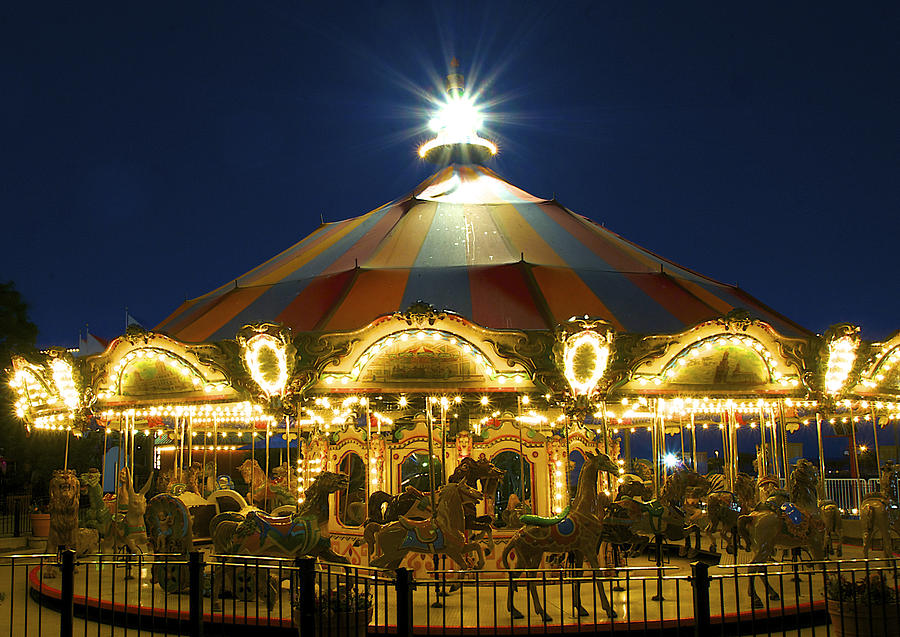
18 505
700 586
67 593
404 587
195 593
307 592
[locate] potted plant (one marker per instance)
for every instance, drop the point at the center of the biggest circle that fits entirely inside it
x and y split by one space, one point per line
342 612
40 520
864 606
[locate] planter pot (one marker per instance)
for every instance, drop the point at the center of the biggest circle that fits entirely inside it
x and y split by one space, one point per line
349 624
862 621
40 524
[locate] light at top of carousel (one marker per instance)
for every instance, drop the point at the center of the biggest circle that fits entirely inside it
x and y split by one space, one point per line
271 378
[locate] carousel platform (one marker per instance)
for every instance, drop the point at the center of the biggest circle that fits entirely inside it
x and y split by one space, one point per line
104 596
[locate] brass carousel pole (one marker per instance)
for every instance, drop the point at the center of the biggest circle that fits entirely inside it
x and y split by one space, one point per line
763 459
368 479
784 457
854 458
66 461
443 440
188 442
821 450
654 447
773 436
103 460
726 448
605 428
268 435
428 418
215 452
693 441
287 448
875 434
521 453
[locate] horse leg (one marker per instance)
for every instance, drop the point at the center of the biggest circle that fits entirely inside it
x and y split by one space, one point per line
581 611
604 602
867 535
532 590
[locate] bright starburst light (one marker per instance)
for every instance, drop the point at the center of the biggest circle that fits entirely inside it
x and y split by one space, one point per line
456 123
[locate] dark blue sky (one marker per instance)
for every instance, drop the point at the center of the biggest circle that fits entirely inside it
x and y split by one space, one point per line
154 151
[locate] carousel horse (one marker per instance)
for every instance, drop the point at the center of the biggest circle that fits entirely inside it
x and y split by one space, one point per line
64 531
791 524
305 533
263 492
472 472
879 513
385 508
634 486
444 533
834 527
724 507
578 530
665 516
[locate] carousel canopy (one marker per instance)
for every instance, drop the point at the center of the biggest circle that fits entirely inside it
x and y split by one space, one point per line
467 241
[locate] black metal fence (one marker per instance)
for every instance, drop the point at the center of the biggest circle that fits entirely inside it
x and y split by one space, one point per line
193 595
15 518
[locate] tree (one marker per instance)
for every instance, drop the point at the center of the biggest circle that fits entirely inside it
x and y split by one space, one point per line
18 335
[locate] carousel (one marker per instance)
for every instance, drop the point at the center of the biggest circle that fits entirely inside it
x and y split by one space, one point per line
467 345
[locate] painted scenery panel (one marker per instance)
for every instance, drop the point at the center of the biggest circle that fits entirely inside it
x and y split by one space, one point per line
150 376
421 360
733 366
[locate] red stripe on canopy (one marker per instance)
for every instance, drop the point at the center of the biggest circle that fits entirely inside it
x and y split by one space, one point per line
501 298
313 304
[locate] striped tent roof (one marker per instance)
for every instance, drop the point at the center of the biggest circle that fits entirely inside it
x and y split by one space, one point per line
467 241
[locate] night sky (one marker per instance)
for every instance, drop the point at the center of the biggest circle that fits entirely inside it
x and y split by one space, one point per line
155 151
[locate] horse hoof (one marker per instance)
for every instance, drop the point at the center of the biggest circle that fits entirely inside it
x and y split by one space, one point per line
516 614
437 605
774 597
581 611
756 602
612 614
547 619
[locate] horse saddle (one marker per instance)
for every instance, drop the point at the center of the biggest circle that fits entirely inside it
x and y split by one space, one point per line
425 531
791 514
282 525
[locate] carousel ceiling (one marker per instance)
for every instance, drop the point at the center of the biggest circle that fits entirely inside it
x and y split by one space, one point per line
466 241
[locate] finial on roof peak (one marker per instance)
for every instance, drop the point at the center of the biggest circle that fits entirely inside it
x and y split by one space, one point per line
456 124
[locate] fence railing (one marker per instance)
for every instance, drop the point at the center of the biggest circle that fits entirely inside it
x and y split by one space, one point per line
849 492
14 515
188 595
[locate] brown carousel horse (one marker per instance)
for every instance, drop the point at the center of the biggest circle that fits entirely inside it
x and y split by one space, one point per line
472 472
724 507
879 513
443 534
385 508
665 516
576 530
794 524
